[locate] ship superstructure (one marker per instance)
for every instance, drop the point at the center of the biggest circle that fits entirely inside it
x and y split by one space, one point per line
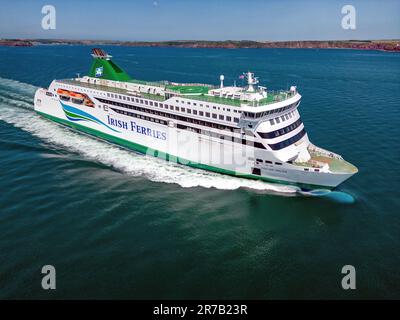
246 131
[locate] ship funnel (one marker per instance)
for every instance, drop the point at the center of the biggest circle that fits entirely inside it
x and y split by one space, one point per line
100 54
104 68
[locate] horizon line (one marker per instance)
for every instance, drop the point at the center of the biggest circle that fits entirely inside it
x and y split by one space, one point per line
194 40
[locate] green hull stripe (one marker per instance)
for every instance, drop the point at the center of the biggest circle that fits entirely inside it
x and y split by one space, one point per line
73 115
146 150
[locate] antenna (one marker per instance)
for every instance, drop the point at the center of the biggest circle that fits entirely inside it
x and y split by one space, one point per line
251 81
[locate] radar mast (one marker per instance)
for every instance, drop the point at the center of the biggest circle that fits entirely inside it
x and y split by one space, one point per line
251 81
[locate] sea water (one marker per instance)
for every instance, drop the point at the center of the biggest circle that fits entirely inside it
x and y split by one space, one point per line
117 224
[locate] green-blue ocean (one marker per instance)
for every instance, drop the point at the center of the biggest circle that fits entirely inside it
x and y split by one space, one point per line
117 224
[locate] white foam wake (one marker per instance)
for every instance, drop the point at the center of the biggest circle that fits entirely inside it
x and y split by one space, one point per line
16 110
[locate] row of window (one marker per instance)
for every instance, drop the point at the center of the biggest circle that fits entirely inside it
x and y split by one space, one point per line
199 131
288 142
259 161
282 118
179 109
265 113
78 88
170 115
280 132
308 169
268 162
139 116
207 106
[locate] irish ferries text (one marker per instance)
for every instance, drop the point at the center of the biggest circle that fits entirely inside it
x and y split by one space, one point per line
136 128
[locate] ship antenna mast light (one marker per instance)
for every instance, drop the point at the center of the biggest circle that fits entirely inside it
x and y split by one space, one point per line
251 81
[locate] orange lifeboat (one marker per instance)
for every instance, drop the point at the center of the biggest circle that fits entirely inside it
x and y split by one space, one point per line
63 92
76 95
88 103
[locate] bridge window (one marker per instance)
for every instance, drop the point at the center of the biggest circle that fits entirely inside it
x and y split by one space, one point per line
288 142
279 132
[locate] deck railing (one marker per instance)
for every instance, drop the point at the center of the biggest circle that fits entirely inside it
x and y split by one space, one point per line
317 150
213 99
272 96
275 96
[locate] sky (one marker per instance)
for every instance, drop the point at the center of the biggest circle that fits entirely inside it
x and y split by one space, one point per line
155 20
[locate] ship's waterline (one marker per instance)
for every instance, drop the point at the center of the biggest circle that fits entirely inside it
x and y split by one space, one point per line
243 131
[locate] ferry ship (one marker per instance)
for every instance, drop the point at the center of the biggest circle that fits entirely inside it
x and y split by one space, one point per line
245 131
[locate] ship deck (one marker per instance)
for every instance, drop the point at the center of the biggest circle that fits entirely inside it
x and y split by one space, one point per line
336 164
189 89
273 97
194 92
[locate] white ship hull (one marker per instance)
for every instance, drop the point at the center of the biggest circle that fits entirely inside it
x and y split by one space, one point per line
167 140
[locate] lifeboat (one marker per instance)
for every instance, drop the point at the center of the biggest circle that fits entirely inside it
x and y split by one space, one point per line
64 94
77 97
88 102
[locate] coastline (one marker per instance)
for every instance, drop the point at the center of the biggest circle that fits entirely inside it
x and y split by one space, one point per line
381 45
